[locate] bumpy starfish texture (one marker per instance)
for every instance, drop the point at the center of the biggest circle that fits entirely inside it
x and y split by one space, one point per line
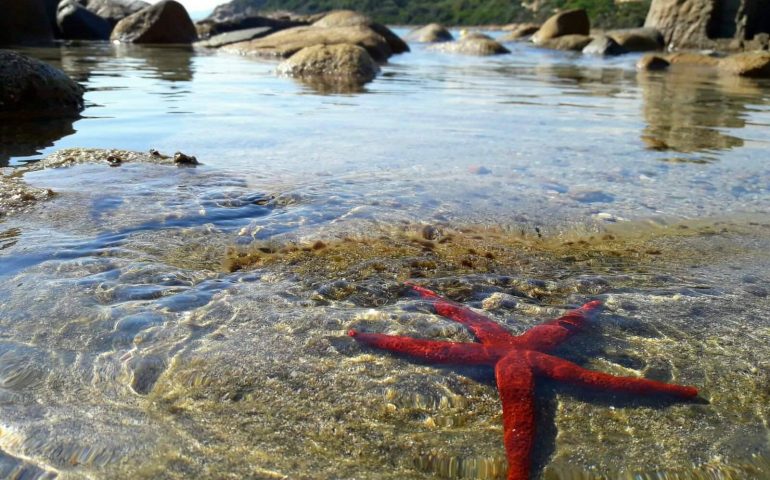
517 360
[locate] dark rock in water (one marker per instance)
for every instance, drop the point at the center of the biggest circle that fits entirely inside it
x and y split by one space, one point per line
604 45
30 88
349 18
209 28
342 66
165 22
75 22
638 39
569 22
234 37
24 22
430 33
288 42
652 63
114 10
183 159
699 23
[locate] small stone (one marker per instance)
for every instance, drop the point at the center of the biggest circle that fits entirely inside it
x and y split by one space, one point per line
182 159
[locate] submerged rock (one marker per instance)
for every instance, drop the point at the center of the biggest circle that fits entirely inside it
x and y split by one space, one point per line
30 88
338 63
75 22
652 63
638 39
431 33
165 22
288 42
569 22
575 43
349 18
24 22
604 45
472 46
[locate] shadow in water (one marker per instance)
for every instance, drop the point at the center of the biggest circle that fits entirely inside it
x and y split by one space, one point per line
169 63
687 112
23 138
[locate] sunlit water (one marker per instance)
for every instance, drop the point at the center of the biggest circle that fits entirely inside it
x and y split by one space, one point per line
136 343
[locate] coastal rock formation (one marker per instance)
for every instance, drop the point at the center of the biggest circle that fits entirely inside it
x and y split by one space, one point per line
165 22
575 43
75 22
24 22
604 45
209 27
288 42
472 45
431 33
701 23
520 31
569 22
30 88
342 63
745 64
235 36
638 39
349 18
114 10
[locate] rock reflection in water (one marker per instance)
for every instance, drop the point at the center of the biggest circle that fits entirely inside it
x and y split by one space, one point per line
686 115
173 64
29 137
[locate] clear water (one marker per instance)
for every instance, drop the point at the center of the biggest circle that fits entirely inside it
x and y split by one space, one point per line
133 346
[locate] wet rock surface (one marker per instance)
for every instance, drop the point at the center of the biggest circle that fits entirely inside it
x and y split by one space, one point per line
349 18
30 88
575 43
569 22
164 22
343 63
604 45
638 39
478 46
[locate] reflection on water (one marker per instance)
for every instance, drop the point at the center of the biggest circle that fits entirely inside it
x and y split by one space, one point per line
24 138
172 64
687 112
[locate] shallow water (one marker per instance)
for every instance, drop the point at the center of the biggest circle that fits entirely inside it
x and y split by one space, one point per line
167 322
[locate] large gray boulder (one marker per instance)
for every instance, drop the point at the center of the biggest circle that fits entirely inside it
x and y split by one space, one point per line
699 23
114 10
24 22
30 88
75 22
165 22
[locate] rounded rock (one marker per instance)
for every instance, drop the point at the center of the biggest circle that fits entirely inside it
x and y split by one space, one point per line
165 22
431 33
569 22
341 61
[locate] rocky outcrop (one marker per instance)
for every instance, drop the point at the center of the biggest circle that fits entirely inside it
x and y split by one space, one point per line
335 64
236 36
114 10
431 33
604 45
638 39
24 22
574 43
701 23
745 64
30 88
165 22
349 18
209 28
290 41
75 22
472 45
569 22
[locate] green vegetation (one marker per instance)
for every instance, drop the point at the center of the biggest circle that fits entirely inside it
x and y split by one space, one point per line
603 13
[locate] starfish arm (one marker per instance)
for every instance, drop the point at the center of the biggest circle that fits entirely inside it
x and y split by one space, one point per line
430 350
516 384
553 333
486 330
562 370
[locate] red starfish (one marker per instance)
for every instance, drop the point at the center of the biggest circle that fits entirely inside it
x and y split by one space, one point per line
517 359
